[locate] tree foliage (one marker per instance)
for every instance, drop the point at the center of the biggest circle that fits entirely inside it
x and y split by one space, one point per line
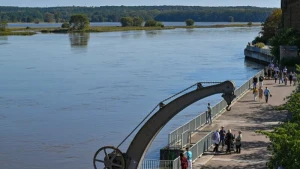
289 37
286 138
271 25
65 25
115 13
231 19
131 21
189 22
126 21
3 26
79 22
153 23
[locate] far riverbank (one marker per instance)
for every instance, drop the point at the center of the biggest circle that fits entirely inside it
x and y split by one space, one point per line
31 31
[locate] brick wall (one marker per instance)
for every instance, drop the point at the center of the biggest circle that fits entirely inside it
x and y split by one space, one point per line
291 13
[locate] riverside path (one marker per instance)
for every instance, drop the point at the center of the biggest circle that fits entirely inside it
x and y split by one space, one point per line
248 116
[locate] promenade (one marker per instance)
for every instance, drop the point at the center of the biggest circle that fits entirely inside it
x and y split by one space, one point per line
246 115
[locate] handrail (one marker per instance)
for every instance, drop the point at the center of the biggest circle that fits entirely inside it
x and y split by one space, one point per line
195 124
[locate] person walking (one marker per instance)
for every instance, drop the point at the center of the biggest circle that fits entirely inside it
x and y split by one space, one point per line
189 158
208 114
238 142
183 161
260 94
267 93
229 139
216 140
280 79
254 81
291 78
275 77
294 78
255 92
261 81
285 80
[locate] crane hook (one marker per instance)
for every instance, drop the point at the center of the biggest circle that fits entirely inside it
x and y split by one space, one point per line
228 108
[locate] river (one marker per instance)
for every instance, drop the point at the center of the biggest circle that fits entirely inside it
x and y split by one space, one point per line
65 96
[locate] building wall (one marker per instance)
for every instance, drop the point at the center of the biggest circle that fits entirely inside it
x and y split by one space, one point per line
291 13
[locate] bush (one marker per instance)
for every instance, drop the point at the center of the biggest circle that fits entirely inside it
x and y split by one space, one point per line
260 45
65 25
150 23
3 26
249 23
160 24
189 22
258 39
126 21
153 23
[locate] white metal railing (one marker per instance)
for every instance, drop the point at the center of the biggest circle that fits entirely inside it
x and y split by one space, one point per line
174 138
202 145
197 150
157 164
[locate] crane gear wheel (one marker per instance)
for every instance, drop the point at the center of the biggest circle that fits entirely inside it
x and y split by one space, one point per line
113 158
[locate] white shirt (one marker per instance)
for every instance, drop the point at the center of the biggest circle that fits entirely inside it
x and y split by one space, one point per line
217 140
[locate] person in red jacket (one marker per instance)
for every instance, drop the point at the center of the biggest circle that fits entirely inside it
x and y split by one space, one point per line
184 162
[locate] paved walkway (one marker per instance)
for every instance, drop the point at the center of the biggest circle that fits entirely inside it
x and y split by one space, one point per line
247 115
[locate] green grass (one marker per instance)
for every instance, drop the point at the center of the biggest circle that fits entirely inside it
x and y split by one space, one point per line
10 33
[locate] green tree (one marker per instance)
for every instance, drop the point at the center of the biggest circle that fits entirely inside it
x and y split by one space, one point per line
65 25
189 22
150 23
271 25
79 22
137 21
48 17
231 19
289 37
57 16
3 26
126 21
285 139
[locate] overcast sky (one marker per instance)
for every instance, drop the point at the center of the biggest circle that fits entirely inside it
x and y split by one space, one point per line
44 3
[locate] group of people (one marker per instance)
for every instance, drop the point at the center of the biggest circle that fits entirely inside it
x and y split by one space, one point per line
220 137
282 76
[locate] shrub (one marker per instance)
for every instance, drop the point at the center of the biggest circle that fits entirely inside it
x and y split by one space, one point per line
189 22
260 45
249 23
126 21
153 23
3 26
150 23
65 25
160 24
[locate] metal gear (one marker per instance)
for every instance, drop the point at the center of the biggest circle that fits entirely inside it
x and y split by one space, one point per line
113 158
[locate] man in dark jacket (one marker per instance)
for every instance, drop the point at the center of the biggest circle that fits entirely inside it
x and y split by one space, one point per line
229 139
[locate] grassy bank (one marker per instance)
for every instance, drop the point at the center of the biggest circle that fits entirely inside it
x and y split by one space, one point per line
11 33
24 31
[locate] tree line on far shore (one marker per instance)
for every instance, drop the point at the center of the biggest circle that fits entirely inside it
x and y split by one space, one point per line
115 13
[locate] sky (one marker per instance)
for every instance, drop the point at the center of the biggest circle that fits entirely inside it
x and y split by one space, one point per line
51 3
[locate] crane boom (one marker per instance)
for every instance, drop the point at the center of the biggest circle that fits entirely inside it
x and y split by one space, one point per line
143 139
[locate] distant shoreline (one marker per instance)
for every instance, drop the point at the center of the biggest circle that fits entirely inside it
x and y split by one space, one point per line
99 29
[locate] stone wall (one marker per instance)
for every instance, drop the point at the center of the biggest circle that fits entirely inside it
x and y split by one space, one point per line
290 13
